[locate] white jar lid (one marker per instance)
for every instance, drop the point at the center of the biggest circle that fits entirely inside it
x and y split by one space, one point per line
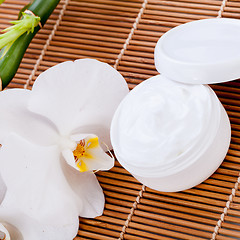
200 52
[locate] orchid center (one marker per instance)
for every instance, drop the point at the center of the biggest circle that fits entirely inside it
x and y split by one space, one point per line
80 150
4 234
84 153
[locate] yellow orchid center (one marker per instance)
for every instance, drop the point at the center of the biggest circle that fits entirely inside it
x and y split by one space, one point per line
80 150
82 153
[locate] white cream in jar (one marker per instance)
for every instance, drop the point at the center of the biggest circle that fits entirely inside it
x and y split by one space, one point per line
166 117
173 134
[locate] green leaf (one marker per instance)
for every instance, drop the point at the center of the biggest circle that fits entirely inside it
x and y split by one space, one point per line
1 1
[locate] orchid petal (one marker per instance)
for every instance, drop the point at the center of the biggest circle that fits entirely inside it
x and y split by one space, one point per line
87 190
35 182
15 117
22 227
87 92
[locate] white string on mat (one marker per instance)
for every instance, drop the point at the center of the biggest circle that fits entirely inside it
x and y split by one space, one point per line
225 210
40 58
232 195
223 5
129 218
130 35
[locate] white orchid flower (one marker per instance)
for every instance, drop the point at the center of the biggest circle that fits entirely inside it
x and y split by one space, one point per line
18 226
51 139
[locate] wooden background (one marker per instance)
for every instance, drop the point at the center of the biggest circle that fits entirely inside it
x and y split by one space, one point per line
123 33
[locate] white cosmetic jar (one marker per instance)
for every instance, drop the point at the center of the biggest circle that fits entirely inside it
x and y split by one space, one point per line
170 136
171 132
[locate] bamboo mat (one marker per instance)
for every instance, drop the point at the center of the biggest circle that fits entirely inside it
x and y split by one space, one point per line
123 33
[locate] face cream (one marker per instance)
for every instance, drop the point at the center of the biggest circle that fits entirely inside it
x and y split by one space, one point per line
164 129
171 132
164 116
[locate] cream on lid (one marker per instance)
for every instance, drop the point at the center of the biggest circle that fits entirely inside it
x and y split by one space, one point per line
159 121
